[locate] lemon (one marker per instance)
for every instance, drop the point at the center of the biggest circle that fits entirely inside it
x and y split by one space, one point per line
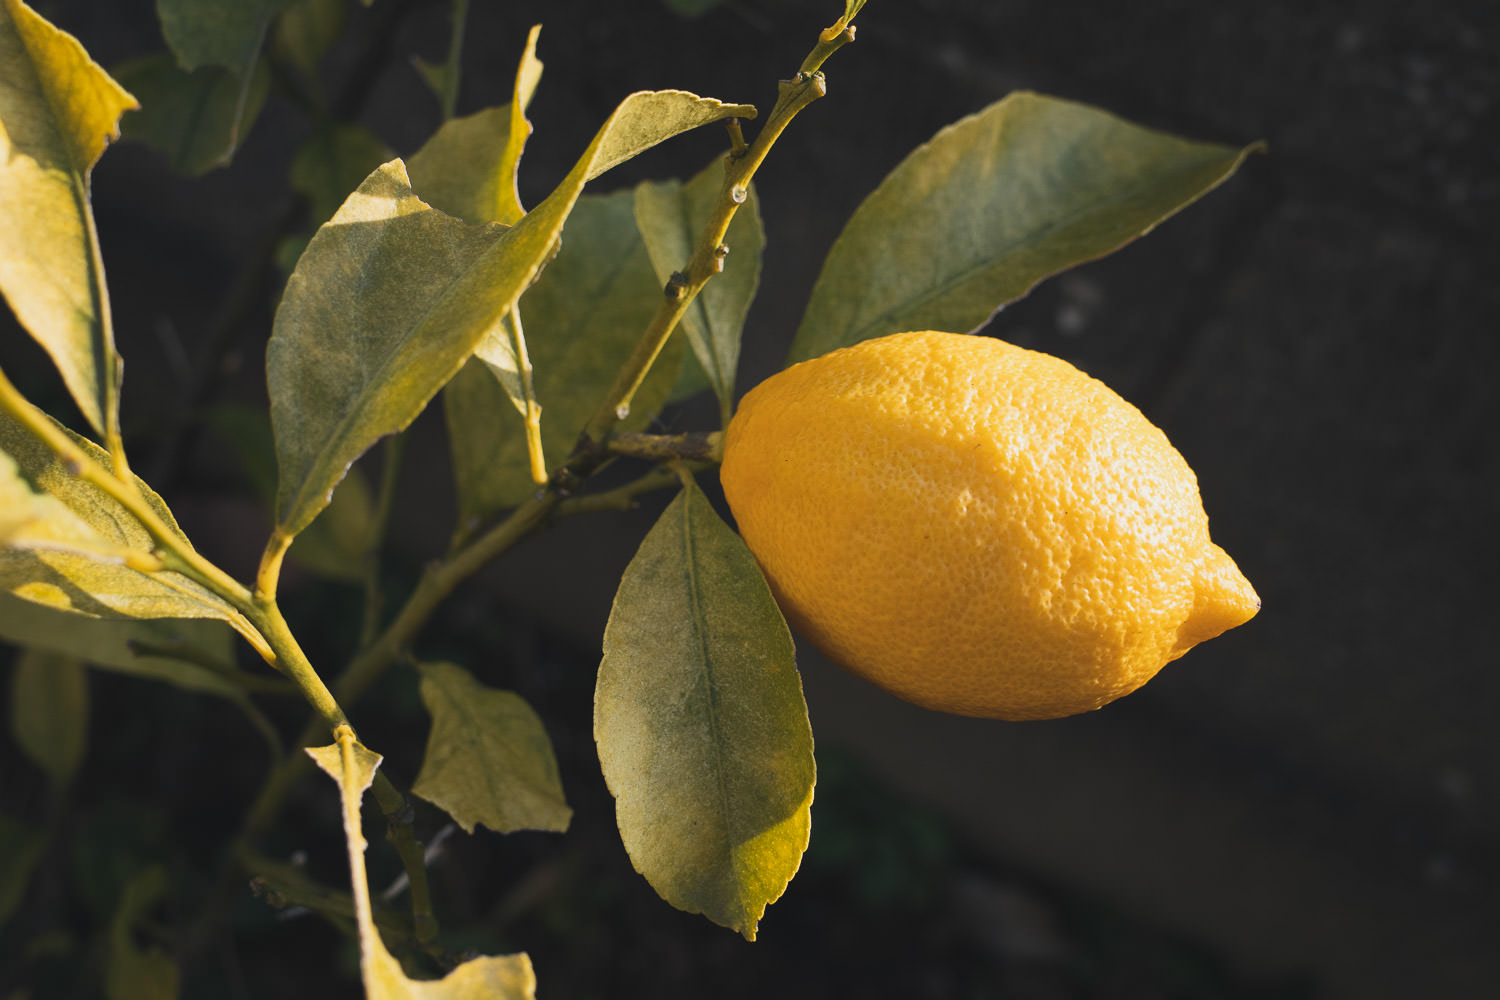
975 527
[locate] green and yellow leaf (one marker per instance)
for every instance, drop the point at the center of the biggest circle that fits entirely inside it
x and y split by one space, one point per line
58 110
993 204
700 722
488 758
583 318
670 215
392 297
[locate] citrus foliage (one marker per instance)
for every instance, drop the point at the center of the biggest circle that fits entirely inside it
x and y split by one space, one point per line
550 332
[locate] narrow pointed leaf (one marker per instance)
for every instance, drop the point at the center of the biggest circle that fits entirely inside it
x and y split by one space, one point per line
503 977
195 119
391 297
993 204
49 712
671 215
701 726
583 318
488 758
66 544
58 110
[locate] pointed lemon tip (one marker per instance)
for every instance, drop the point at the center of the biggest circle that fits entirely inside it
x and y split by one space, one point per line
1223 599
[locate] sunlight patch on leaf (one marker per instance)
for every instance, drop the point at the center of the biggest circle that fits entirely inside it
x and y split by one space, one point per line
993 204
701 726
489 759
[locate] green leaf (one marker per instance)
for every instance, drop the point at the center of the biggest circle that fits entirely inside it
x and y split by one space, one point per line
702 730
671 215
305 31
227 33
583 318
488 758
58 110
332 162
69 545
993 204
113 644
391 297
132 972
20 850
504 977
49 712
195 119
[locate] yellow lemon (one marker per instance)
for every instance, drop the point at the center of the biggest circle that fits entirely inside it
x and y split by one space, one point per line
975 527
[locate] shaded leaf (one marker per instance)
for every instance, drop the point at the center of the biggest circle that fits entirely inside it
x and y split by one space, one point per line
132 972
702 729
194 119
692 8
305 31
112 644
488 758
49 712
332 162
58 110
20 850
226 33
993 204
392 297
69 545
670 215
505 977
583 319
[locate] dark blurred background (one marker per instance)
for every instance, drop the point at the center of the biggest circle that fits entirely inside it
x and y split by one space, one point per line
1308 806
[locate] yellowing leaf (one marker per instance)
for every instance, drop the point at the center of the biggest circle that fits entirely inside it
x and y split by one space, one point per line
670 215
583 318
702 730
69 545
196 120
58 110
993 204
488 757
504 977
391 297
49 712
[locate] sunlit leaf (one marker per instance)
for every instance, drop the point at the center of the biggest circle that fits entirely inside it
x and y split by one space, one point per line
332 162
49 712
194 119
133 972
583 319
504 977
488 758
993 204
58 110
20 849
69 545
391 297
701 726
671 215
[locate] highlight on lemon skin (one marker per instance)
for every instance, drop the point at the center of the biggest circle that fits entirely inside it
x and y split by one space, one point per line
975 527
